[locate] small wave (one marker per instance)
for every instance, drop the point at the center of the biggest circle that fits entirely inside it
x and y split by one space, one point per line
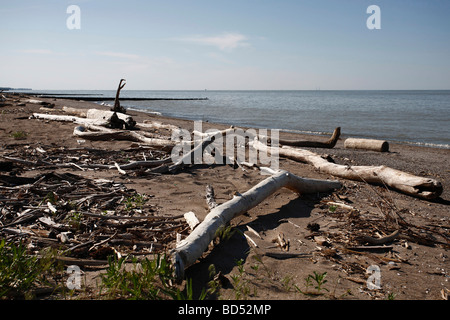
306 132
156 113
427 144
104 104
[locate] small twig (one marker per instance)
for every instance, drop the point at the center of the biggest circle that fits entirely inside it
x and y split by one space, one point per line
103 241
114 217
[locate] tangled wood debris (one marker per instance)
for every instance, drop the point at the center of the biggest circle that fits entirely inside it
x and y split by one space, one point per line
86 219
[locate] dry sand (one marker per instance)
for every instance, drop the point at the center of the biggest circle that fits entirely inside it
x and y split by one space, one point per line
409 270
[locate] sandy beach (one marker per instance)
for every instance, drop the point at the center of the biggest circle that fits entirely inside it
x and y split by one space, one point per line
322 238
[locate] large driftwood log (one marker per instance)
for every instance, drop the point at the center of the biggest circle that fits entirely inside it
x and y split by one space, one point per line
109 134
298 143
93 116
191 248
74 119
420 187
367 144
314 144
156 125
75 111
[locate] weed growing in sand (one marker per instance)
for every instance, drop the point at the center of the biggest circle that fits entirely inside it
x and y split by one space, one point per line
390 296
21 273
74 219
225 233
19 135
287 282
149 279
136 201
144 280
317 280
241 286
50 197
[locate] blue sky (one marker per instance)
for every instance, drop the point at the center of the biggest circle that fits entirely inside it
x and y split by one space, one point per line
226 45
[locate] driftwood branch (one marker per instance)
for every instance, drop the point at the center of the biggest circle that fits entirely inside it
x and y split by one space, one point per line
191 248
117 107
421 187
382 240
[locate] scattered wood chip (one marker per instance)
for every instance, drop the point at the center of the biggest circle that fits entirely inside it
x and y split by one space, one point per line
321 241
191 219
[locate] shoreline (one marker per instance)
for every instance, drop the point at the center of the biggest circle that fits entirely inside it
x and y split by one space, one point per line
411 275
361 157
301 134
408 139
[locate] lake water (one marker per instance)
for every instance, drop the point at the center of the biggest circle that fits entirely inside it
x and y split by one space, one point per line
415 117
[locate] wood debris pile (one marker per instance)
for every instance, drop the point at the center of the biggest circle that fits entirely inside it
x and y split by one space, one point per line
50 157
86 219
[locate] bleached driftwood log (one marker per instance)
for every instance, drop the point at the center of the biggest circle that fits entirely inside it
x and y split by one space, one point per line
74 119
421 187
115 120
367 144
105 114
109 134
33 101
156 125
75 111
92 116
191 248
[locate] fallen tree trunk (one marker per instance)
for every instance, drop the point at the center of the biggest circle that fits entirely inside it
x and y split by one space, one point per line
367 144
191 248
314 144
298 143
156 125
421 187
75 111
109 134
99 117
74 119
